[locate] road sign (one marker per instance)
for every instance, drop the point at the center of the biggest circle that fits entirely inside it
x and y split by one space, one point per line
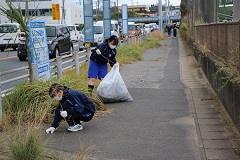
55 12
39 48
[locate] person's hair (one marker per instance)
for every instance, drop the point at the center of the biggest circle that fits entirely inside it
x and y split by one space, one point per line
114 39
55 87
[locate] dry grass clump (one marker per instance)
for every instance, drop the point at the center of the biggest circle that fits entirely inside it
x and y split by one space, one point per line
157 35
25 142
83 153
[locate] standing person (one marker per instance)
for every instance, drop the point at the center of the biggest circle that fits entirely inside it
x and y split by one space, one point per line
104 53
169 29
175 31
73 107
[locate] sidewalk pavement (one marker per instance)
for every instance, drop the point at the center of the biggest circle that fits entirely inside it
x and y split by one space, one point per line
170 118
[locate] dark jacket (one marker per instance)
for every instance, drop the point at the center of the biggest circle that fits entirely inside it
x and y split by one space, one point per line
106 52
74 102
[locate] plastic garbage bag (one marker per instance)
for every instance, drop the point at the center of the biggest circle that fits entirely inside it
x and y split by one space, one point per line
112 88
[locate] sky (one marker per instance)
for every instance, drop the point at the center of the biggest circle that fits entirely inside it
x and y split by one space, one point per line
139 2
147 2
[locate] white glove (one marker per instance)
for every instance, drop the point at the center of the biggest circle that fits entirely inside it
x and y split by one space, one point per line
50 130
63 114
98 51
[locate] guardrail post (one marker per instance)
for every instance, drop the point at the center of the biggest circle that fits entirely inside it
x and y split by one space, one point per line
128 40
76 61
88 53
35 71
0 102
59 67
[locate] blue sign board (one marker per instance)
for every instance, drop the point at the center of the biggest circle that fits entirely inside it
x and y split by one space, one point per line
39 48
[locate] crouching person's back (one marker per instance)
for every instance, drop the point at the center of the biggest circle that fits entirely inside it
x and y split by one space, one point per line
73 107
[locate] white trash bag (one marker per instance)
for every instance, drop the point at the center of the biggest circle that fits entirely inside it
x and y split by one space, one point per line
112 88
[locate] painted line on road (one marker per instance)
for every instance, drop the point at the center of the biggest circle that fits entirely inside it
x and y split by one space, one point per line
8 57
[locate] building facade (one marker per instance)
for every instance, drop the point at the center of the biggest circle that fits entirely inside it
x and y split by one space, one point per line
42 10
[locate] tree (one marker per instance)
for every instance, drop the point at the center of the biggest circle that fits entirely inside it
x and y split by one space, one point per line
15 14
183 9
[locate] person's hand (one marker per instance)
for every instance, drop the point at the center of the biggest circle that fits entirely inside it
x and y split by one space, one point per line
98 51
50 130
63 114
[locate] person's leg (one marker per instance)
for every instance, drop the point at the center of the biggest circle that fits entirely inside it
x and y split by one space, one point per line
77 119
84 118
70 120
103 70
92 75
91 84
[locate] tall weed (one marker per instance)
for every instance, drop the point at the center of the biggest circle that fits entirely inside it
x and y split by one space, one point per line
25 142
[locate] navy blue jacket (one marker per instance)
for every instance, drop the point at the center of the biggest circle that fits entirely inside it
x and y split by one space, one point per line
74 102
106 52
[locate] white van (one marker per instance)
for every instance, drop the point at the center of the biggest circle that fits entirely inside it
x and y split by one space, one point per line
115 27
98 37
98 34
74 32
10 34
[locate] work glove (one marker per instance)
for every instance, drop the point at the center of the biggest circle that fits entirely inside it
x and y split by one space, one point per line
50 130
63 114
98 51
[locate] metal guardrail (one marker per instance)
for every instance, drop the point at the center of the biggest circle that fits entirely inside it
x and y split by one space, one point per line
70 64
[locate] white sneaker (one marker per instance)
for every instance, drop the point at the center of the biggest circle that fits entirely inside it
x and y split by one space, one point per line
77 127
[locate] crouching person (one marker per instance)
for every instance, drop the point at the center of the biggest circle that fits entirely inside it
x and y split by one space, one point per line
73 107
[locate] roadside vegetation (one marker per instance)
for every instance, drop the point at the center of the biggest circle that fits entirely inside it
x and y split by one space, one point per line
28 106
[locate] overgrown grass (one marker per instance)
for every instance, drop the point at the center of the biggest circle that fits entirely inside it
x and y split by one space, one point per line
133 52
185 33
28 105
82 153
25 143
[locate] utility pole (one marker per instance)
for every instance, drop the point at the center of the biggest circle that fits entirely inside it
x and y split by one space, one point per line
160 21
166 11
63 12
98 9
236 12
117 11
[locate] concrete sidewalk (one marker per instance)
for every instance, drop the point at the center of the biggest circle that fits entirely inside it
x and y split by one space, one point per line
170 118
213 139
